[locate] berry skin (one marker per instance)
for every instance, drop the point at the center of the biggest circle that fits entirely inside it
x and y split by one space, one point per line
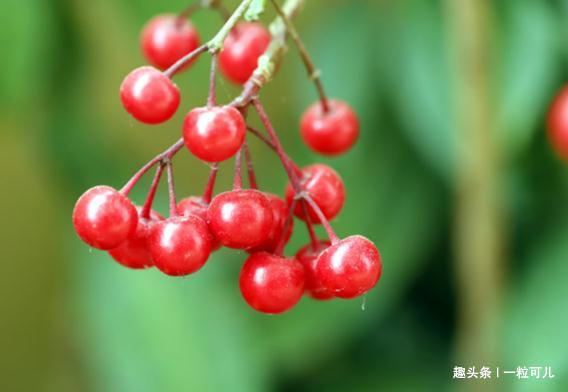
325 187
104 218
214 134
240 219
166 38
149 95
350 267
133 252
195 205
279 215
241 50
180 245
270 283
308 256
558 124
332 132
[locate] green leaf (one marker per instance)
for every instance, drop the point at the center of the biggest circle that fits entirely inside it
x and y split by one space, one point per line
526 70
255 9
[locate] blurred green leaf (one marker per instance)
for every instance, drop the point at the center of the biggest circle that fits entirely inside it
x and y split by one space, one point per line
27 31
419 82
537 315
527 69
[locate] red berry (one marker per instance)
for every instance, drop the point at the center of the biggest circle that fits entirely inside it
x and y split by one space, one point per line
325 187
241 50
350 267
279 215
271 283
104 218
149 95
214 134
240 219
195 205
308 256
167 38
558 124
134 252
180 245
332 132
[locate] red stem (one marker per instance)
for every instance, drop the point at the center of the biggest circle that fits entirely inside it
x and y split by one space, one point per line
184 60
190 9
171 189
310 226
313 73
238 179
212 96
167 154
208 192
328 229
286 161
282 241
250 167
145 213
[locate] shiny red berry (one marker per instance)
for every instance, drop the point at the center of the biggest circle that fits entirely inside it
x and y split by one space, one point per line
104 218
332 132
240 219
325 187
241 50
308 256
214 134
149 95
180 245
558 124
134 252
195 205
350 267
279 214
270 283
167 38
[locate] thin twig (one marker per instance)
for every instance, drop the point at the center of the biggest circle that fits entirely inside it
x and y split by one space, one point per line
313 73
146 208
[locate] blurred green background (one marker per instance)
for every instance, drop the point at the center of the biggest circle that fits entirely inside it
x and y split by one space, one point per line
452 178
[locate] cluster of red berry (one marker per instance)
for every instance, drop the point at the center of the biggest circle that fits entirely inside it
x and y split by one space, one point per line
258 222
558 123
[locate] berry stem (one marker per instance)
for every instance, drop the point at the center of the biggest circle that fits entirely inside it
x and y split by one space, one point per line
168 153
265 140
261 137
208 192
310 226
325 223
286 161
212 96
190 9
220 8
238 179
184 60
145 213
171 188
216 43
282 241
250 167
313 73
